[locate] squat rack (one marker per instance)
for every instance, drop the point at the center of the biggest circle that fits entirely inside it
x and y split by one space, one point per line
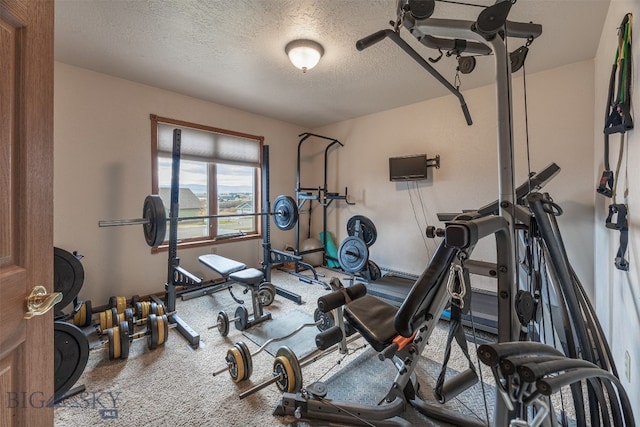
178 276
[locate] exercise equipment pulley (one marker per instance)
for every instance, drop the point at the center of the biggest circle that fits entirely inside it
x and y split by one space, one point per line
154 217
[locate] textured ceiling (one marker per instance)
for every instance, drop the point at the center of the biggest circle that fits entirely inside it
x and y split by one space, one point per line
232 52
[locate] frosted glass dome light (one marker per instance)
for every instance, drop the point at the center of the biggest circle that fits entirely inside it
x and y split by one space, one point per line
304 54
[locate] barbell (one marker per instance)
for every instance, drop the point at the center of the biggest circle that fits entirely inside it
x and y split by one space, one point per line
154 217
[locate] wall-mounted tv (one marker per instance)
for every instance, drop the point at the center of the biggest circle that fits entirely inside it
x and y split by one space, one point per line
408 168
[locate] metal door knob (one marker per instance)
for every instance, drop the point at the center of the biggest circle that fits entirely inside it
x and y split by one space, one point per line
39 302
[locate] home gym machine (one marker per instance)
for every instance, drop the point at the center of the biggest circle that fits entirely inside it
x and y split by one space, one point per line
550 305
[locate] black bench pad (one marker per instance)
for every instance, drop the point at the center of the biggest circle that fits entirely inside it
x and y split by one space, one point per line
250 276
373 318
221 265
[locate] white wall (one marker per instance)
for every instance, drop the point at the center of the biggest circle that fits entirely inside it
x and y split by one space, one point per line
618 292
102 170
560 130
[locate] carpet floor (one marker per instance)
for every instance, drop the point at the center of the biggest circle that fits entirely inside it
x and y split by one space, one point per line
173 385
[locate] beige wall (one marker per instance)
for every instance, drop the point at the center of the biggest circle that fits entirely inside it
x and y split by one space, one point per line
618 292
560 130
103 171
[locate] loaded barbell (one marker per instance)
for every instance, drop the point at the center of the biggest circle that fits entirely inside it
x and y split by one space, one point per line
154 217
239 359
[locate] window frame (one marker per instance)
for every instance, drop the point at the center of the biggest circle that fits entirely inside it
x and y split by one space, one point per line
212 183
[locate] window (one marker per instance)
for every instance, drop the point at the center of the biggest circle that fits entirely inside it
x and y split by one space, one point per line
219 175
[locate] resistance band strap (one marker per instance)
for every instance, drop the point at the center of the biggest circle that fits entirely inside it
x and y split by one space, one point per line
617 220
618 112
455 331
619 118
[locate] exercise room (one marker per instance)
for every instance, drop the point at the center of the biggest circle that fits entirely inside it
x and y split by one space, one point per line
312 213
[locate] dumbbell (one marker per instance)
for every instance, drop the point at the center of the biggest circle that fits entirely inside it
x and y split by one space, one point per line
239 359
241 321
120 303
157 334
144 308
110 318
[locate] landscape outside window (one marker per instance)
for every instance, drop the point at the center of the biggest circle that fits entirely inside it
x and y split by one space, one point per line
219 175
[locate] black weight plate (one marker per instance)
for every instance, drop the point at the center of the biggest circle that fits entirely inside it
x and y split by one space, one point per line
353 254
327 319
71 352
165 328
286 352
152 338
68 276
246 354
123 329
242 318
367 231
285 213
156 228
266 293
223 323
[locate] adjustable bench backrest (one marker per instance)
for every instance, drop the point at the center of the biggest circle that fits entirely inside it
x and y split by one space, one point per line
417 307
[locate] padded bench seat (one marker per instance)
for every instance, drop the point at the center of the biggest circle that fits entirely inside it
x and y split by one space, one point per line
249 276
373 318
221 265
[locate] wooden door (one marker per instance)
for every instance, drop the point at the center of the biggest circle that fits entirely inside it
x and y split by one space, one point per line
26 209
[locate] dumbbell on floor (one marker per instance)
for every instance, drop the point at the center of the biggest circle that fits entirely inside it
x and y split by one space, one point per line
120 338
241 320
111 317
120 302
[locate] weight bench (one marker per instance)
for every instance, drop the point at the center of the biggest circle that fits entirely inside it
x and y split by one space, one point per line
399 334
262 293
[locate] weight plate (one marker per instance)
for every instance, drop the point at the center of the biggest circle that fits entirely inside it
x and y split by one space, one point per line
285 213
367 230
236 368
153 329
327 319
266 293
83 317
242 318
71 353
115 348
353 254
124 339
156 227
129 318
68 276
164 326
112 318
134 300
294 383
223 323
246 354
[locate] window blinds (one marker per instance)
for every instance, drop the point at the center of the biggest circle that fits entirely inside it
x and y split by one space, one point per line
207 146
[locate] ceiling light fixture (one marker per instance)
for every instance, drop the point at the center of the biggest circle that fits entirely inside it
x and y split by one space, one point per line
304 54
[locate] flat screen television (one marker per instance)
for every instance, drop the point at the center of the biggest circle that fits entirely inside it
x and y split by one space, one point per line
408 168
